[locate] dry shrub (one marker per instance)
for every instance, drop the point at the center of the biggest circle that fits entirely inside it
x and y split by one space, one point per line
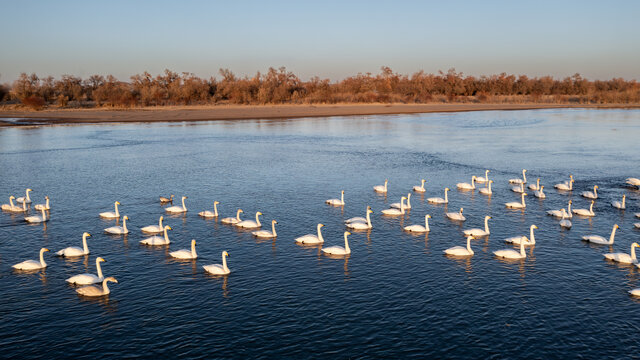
34 102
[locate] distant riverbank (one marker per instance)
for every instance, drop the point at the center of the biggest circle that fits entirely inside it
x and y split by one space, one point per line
239 112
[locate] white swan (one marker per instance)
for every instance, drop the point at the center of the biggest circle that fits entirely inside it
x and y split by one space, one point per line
618 204
232 220
585 212
209 214
393 211
336 202
519 240
467 186
637 215
539 193
558 213
362 225
250 224
487 190
564 221
565 186
158 240
623 257
407 206
266 234
420 188
119 229
24 199
37 218
96 290
359 218
518 189
310 238
520 181
439 200
32 264
154 229
88 279
597 239
456 215
482 180
74 250
12 207
479 232
637 225
535 186
635 292
419 228
633 181
43 206
184 253
461 251
511 254
517 205
381 188
217 269
111 214
339 250
591 194
166 200
177 209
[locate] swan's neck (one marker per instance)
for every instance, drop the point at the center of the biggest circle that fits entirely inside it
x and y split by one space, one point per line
44 215
224 263
422 186
446 197
486 225
385 185
368 218
124 224
591 207
595 191
320 233
238 215
99 268
538 183
489 187
402 206
193 249
24 205
486 175
215 209
571 184
117 213
524 176
183 206
27 197
342 197
408 200
523 200
105 288
258 219
85 248
426 223
346 244
524 254
166 235
47 203
273 228
623 199
469 244
532 236
42 263
633 253
473 182
613 235
569 208
11 202
160 223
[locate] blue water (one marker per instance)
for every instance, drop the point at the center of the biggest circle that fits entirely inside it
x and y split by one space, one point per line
396 295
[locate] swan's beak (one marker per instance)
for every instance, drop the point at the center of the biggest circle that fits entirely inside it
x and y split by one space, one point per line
169 228
348 233
88 235
45 250
321 225
535 227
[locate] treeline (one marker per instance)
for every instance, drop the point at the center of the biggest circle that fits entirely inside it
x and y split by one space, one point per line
279 86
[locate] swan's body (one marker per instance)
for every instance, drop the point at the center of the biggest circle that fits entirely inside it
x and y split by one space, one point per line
479 232
591 194
565 186
336 202
119 229
618 204
560 214
250 224
535 186
177 209
523 240
420 188
456 215
486 190
158 240
407 206
266 234
74 250
482 180
460 250
467 186
166 200
517 205
635 292
565 222
381 188
88 279
310 238
633 181
154 229
232 220
597 239
11 207
25 199
439 200
518 189
339 250
37 218
637 215
186 254
623 257
585 212
512 254
419 228
44 206
32 264
210 214
97 290
361 225
520 181
395 212
539 193
359 218
111 214
218 269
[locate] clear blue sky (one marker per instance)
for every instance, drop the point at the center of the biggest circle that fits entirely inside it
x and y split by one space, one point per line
331 39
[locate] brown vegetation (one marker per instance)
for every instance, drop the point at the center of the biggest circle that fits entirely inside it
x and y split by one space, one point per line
279 86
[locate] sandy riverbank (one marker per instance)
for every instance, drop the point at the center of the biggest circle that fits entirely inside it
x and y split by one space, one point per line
236 112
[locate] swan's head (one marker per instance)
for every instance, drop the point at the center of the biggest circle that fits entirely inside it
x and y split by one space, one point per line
386 181
634 245
524 170
161 217
117 202
240 211
125 217
446 189
596 187
404 198
11 197
541 187
86 234
112 279
593 202
624 196
423 180
570 201
274 222
461 209
100 259
346 233
428 216
258 213
534 227
320 225
470 237
28 190
168 227
616 226
46 198
491 181
43 250
224 253
216 202
524 194
570 176
342 192
369 211
193 242
487 217
184 197
171 197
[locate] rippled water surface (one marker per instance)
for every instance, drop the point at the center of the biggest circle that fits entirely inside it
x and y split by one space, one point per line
396 295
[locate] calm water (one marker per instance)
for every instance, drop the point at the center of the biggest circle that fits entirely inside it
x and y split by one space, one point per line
396 295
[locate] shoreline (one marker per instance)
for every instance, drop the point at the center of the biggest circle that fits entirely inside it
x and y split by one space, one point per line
247 112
